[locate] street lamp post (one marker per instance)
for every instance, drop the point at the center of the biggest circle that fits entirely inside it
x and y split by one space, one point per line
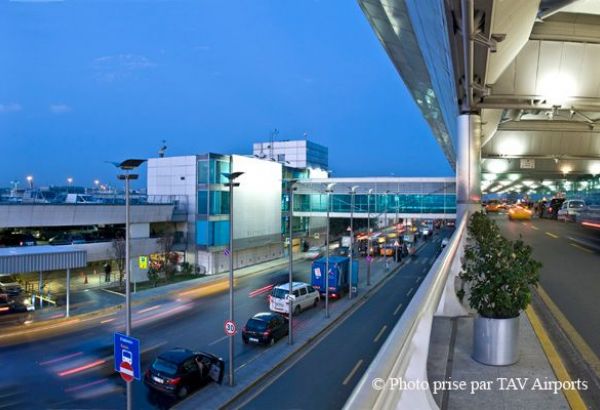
69 182
291 187
369 256
397 223
231 178
30 181
127 166
352 195
329 189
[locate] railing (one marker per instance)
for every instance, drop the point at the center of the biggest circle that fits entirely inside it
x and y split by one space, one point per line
403 357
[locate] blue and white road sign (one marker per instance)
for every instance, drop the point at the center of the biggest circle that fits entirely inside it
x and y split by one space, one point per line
226 252
127 356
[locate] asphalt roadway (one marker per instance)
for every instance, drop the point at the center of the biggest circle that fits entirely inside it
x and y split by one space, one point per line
324 377
571 269
75 370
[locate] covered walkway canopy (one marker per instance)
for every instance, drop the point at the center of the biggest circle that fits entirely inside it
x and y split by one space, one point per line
526 71
429 198
24 259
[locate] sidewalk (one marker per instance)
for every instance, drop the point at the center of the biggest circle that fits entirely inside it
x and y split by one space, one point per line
450 359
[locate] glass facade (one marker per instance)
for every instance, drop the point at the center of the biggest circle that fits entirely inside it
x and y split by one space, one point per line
203 202
212 233
403 203
210 171
219 202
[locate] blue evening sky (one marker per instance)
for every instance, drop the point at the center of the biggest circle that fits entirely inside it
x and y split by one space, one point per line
87 81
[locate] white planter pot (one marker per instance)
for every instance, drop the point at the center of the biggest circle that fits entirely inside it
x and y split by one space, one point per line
496 341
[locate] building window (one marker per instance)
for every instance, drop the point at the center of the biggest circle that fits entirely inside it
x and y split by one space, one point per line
203 202
203 172
219 202
280 157
209 233
217 169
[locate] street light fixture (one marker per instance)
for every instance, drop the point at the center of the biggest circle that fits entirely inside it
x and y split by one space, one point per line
127 165
231 177
369 256
96 183
352 195
328 190
292 188
30 181
69 182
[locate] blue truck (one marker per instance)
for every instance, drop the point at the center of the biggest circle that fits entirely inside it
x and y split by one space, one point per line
338 275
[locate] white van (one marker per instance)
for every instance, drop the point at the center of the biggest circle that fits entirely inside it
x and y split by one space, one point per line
303 296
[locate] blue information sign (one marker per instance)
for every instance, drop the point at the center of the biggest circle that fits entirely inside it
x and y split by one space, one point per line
127 356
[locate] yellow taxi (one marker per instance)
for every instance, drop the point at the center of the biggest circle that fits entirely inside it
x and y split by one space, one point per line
520 213
493 206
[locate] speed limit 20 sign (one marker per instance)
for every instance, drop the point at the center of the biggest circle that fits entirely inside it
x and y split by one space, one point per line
230 328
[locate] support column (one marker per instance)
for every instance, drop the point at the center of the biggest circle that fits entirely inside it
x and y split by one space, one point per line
41 289
468 200
468 165
68 292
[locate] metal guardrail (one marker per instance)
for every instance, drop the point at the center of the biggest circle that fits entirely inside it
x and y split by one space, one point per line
403 356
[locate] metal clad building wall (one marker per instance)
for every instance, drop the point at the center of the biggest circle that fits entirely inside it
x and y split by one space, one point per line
41 262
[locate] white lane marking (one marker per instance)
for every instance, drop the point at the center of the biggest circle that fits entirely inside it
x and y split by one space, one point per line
380 334
354 369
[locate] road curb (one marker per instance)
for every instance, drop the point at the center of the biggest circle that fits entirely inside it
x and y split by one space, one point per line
298 347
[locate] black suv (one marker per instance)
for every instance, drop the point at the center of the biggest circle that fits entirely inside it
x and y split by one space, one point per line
178 371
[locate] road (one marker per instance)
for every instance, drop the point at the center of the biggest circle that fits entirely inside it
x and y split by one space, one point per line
326 375
570 273
74 370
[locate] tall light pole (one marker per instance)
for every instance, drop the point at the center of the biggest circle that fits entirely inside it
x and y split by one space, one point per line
397 223
231 178
96 183
69 182
329 189
369 256
352 195
128 165
30 181
291 188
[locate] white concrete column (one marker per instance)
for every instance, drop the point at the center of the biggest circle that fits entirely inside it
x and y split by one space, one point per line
468 200
67 312
468 164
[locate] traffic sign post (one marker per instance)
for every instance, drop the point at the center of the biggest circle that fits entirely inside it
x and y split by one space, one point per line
230 328
143 262
127 357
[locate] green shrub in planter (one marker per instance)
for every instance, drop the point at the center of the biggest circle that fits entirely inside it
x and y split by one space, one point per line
499 272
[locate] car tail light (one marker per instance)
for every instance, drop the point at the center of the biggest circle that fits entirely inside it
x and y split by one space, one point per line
174 381
334 295
267 333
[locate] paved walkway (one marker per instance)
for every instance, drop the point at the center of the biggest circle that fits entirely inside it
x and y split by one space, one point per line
499 386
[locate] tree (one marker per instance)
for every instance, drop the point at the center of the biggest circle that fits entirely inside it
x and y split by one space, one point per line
170 259
118 245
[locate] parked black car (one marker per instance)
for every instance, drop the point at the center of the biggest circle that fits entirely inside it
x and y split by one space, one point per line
178 371
265 328
17 239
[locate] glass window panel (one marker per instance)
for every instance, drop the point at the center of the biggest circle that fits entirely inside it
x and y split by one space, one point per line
203 172
219 202
203 202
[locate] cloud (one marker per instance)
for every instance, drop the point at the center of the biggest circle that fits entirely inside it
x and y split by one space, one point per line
59 108
120 66
10 107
